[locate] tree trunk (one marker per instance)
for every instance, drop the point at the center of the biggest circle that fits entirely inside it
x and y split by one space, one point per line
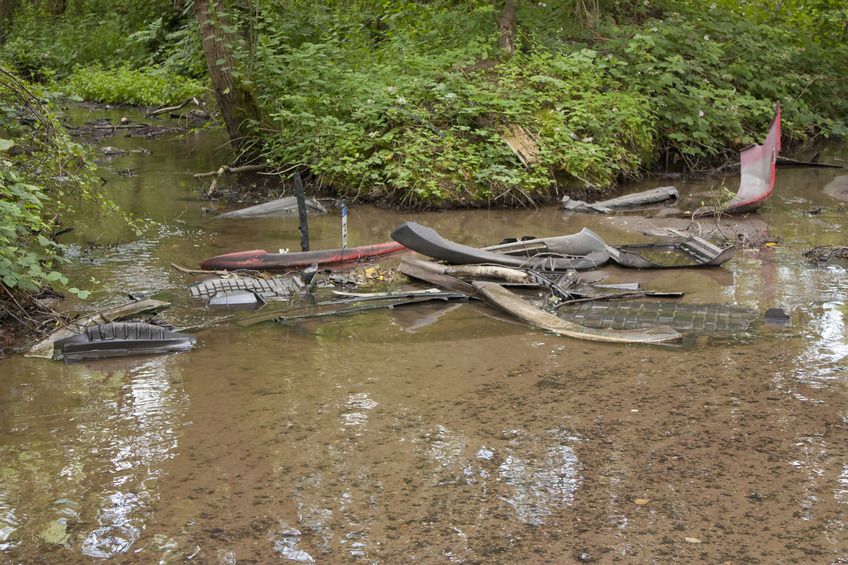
55 7
234 100
587 12
7 8
507 25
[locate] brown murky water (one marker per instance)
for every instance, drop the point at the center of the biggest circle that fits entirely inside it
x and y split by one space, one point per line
434 433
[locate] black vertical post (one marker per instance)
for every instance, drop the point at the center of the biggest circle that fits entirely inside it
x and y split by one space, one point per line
301 209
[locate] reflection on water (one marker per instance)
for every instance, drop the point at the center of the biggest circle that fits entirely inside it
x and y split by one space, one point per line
8 523
120 525
825 331
459 483
828 342
355 416
285 541
93 443
544 481
841 493
152 409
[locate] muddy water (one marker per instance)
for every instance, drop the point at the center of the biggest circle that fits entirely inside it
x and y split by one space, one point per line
435 433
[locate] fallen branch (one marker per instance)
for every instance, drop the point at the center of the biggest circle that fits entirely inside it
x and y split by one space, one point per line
21 309
121 126
227 170
221 273
191 271
172 108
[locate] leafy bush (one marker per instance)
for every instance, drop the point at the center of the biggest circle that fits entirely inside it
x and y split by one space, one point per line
27 255
140 32
152 45
146 86
429 128
420 116
42 173
413 101
713 77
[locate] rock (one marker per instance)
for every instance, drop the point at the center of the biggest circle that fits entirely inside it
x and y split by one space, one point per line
838 187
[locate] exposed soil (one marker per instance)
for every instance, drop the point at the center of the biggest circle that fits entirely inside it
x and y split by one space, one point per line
23 317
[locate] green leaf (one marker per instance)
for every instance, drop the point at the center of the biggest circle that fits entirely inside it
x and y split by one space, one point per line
81 294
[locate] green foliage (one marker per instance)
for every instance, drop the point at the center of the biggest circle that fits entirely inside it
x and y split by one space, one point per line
713 76
42 173
811 21
413 101
26 254
175 51
145 86
92 32
429 129
139 52
421 115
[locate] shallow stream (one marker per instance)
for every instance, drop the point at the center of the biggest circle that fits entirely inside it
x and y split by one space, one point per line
435 433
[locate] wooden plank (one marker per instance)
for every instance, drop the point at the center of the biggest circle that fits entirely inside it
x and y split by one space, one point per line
521 143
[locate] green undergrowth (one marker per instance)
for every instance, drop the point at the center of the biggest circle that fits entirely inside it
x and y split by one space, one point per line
685 83
714 74
146 86
414 103
441 137
43 174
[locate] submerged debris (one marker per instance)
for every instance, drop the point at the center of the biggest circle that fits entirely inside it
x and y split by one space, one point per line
632 201
512 304
119 339
823 253
280 288
238 300
776 317
681 316
286 206
45 347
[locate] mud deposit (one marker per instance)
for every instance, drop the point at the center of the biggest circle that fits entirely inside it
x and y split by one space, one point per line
435 433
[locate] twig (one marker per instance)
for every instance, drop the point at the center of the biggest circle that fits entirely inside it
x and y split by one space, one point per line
171 108
226 169
22 322
222 273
